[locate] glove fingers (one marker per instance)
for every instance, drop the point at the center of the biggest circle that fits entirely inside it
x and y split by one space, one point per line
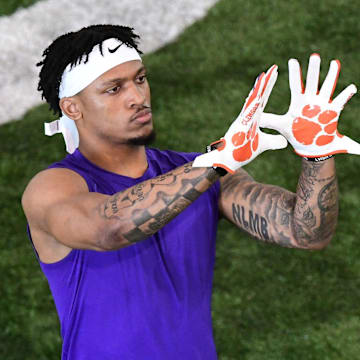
350 146
312 78
345 96
254 92
295 78
270 79
272 142
330 81
272 121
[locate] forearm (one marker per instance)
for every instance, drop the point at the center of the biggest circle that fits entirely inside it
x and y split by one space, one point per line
305 219
138 212
315 213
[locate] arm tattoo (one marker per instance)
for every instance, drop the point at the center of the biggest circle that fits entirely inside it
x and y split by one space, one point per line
258 207
315 217
146 207
275 215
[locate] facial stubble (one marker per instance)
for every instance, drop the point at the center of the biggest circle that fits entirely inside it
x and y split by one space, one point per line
143 140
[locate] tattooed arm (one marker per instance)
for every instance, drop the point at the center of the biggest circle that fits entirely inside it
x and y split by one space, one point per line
143 209
305 220
63 215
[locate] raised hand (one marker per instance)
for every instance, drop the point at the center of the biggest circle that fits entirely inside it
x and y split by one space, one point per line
310 124
244 141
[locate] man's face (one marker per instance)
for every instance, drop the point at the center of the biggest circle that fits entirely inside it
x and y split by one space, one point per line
116 106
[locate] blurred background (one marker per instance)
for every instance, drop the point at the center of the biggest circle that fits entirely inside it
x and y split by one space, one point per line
268 302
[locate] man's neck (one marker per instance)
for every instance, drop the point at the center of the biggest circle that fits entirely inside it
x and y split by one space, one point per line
126 160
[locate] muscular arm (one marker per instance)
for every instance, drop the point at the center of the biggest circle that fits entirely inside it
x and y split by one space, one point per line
306 219
146 207
60 209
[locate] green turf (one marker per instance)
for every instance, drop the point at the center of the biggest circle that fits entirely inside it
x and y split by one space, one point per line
9 6
269 303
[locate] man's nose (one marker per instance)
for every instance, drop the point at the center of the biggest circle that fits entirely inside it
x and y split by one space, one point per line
136 95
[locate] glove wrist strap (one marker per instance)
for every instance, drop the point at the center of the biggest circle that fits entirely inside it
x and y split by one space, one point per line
219 170
317 159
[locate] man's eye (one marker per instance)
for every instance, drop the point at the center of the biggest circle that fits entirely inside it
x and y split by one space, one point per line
113 90
141 79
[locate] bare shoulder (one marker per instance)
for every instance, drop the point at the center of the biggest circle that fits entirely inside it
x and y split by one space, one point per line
45 190
50 186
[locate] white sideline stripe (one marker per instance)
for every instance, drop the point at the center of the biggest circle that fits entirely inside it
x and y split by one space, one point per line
27 32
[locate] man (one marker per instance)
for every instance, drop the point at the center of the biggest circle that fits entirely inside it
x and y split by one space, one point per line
125 234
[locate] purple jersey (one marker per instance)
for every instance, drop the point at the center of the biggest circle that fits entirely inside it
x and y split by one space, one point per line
151 300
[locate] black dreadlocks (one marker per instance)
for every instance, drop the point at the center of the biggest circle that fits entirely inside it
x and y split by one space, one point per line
70 48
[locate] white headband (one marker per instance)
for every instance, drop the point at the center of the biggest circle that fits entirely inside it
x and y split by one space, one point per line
78 77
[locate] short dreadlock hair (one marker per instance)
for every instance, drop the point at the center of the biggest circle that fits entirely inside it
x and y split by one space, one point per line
70 48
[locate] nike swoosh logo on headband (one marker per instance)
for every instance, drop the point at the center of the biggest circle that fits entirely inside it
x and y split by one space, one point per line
113 50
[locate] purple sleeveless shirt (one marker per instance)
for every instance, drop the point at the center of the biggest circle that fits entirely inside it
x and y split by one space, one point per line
151 300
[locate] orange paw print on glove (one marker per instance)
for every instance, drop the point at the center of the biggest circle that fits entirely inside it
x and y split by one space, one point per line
305 131
247 144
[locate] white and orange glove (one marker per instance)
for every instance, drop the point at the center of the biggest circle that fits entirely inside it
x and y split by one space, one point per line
310 124
244 140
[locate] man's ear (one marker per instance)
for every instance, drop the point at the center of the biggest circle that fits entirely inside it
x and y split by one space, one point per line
70 107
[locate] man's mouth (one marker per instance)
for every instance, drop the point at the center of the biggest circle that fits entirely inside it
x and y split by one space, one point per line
142 116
